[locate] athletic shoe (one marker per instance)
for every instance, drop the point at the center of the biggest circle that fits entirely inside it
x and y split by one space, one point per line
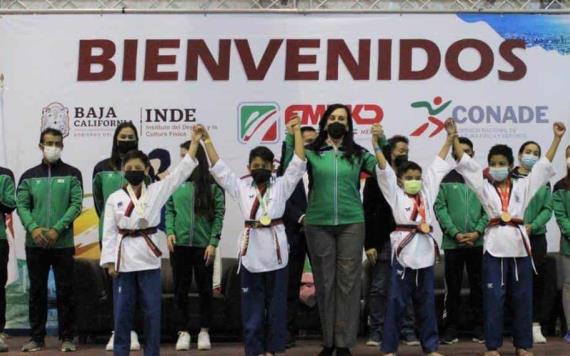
204 341
183 343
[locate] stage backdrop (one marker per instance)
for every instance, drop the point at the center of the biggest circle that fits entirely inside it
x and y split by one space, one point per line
503 78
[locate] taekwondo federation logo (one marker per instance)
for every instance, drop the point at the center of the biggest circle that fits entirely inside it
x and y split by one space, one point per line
258 122
56 116
437 123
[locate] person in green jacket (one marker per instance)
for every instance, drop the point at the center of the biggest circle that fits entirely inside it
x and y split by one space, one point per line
334 224
561 206
536 216
194 220
7 206
49 198
107 178
463 222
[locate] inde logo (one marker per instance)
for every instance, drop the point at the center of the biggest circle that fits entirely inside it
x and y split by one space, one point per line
435 122
258 122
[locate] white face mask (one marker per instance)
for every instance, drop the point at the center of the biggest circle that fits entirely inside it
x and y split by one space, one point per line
52 153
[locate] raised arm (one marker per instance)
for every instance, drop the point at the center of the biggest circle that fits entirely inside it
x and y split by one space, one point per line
559 130
208 145
377 137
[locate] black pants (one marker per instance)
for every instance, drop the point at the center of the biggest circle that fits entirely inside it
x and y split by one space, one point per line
539 249
186 261
39 261
455 261
4 250
297 254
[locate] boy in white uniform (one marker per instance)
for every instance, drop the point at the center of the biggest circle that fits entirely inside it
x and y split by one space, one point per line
414 250
129 246
507 259
264 251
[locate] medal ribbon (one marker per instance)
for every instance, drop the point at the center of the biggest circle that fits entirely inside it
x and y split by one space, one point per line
505 196
137 202
419 207
262 201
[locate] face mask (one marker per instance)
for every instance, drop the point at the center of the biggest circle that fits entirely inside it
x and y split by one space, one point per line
499 174
529 160
260 175
336 130
52 153
134 177
126 146
412 187
398 160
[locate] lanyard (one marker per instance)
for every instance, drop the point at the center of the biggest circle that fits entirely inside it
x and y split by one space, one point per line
137 202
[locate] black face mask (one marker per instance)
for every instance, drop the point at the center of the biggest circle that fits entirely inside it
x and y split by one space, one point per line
126 146
398 160
260 175
336 130
135 177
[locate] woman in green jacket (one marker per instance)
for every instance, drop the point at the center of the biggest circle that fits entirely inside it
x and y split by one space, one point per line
334 225
536 216
194 218
561 203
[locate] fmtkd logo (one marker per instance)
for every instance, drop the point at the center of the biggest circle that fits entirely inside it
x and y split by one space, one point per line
258 122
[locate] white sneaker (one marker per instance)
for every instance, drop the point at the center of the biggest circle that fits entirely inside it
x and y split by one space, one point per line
109 346
183 343
135 345
537 336
204 341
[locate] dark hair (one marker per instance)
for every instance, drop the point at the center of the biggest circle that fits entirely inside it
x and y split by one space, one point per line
262 152
115 154
523 146
392 142
502 150
463 141
408 166
136 154
50 131
203 196
350 147
186 145
308 129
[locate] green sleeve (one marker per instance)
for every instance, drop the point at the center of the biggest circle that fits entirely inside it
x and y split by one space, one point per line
98 199
24 202
289 150
219 211
482 223
169 217
545 212
383 142
559 207
442 214
74 208
7 194
369 162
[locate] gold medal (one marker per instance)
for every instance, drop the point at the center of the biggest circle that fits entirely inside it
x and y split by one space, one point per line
424 228
506 217
265 220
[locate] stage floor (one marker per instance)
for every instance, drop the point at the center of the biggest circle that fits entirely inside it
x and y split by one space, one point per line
555 347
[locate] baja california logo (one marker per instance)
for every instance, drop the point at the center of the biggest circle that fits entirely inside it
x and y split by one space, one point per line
56 116
259 120
437 122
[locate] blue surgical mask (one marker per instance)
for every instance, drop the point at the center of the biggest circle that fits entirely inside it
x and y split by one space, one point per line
499 174
529 160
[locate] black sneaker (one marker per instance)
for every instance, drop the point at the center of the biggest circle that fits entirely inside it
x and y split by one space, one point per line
326 351
410 340
290 341
450 336
343 351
